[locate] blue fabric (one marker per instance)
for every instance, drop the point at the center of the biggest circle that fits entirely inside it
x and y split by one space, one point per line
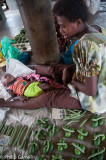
25 57
67 57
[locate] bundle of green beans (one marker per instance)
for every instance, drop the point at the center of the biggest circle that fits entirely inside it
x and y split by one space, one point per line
62 145
53 129
1 125
98 138
57 157
68 131
97 154
73 116
97 120
26 138
34 146
41 157
82 133
40 134
79 148
48 146
43 122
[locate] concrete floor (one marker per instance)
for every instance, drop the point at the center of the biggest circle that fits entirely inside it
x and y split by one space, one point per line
12 25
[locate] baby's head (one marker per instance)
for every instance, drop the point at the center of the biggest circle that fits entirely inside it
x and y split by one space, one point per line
6 79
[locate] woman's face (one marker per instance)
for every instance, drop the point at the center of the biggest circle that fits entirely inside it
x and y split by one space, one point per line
68 29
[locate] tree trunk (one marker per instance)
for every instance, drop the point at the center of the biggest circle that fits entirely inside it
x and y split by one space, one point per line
39 23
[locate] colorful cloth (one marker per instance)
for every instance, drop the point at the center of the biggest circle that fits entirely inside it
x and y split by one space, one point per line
67 57
19 86
38 78
90 58
33 90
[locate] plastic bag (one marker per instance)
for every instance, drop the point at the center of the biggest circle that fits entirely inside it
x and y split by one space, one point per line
17 69
8 50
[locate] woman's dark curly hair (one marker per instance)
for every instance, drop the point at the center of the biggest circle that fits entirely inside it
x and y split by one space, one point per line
71 9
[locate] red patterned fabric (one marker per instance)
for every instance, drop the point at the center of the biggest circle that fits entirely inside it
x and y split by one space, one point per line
19 86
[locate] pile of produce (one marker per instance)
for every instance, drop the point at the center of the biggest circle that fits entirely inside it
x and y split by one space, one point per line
21 41
40 139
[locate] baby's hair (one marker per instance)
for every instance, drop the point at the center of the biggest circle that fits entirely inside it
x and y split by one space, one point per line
71 9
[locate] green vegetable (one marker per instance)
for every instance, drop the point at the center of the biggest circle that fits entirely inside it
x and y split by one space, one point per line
50 127
24 143
51 146
80 137
97 142
60 148
62 145
77 152
32 150
74 159
94 124
101 122
97 118
67 134
4 130
96 154
41 158
48 146
13 134
21 134
100 157
84 122
53 129
10 128
1 125
26 114
57 157
78 147
18 136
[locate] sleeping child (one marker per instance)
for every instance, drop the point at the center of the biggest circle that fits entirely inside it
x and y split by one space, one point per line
28 86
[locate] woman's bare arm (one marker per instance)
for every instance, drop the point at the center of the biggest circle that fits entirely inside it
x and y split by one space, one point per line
89 87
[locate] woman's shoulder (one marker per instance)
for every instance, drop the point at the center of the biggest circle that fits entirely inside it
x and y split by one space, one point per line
98 38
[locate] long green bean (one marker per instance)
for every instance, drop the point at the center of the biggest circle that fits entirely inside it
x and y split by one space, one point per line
10 128
68 130
26 137
84 122
96 119
4 130
72 121
18 143
13 134
96 154
98 135
1 125
15 143
79 148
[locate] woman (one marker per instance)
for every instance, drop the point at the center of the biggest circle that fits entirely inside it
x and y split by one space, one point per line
88 85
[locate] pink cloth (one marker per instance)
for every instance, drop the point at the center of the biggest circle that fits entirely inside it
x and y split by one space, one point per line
43 79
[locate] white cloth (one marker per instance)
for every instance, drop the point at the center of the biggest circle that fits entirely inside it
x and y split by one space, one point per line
17 69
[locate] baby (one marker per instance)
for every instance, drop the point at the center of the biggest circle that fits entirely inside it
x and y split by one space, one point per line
24 87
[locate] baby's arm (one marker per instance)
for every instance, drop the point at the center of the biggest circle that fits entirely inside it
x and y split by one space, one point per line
11 93
45 87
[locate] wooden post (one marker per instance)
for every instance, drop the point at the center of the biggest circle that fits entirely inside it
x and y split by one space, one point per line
39 23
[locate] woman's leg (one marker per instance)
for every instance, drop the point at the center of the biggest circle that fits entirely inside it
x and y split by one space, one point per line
54 70
41 69
57 98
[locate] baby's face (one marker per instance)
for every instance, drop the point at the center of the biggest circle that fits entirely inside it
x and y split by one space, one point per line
6 79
